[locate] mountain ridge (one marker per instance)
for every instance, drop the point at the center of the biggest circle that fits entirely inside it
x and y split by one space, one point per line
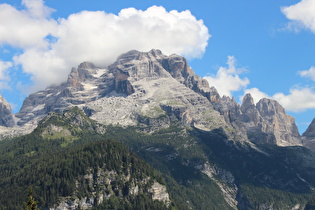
156 90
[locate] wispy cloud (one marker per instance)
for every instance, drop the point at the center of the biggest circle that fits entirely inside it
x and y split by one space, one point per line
227 79
4 78
308 73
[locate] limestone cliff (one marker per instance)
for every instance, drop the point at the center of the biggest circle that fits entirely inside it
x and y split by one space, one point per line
6 116
141 88
153 91
308 137
265 122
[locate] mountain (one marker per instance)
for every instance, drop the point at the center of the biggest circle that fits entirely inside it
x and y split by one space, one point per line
156 91
136 88
308 136
150 121
265 122
6 116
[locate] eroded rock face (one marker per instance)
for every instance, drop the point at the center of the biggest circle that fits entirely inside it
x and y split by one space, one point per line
159 192
154 91
308 137
265 122
6 116
157 89
277 124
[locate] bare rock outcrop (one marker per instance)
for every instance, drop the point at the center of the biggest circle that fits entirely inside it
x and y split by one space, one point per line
264 123
153 90
276 124
6 116
308 137
159 90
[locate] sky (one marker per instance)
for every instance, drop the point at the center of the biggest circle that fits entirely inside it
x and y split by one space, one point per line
266 48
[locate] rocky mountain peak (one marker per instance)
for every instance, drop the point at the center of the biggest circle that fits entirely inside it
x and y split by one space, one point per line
265 122
248 101
155 90
269 118
268 107
85 71
310 131
308 137
136 65
6 116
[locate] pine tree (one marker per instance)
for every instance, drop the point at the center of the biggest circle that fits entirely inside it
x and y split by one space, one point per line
31 203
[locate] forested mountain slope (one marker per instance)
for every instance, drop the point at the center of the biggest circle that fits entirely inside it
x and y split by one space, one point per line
70 161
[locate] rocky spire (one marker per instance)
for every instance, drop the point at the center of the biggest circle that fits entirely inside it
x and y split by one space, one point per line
310 131
6 116
308 137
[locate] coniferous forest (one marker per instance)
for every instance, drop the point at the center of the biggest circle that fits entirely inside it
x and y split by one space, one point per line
82 163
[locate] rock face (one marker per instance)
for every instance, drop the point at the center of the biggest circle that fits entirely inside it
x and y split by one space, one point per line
153 91
278 126
265 122
6 116
147 89
308 137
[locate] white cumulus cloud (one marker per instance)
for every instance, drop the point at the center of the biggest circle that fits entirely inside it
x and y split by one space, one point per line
37 8
301 14
299 99
51 47
227 79
308 73
101 37
26 28
44 67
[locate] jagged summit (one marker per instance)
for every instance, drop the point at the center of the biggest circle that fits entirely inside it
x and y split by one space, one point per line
308 136
247 102
154 91
274 125
310 131
6 116
264 122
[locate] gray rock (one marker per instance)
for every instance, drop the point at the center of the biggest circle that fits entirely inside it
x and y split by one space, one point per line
154 90
263 123
6 116
147 88
308 137
267 122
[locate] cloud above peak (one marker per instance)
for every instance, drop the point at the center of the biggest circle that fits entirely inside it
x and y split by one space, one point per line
49 48
101 37
227 79
301 15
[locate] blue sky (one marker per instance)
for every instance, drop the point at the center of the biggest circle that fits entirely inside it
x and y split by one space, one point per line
265 48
